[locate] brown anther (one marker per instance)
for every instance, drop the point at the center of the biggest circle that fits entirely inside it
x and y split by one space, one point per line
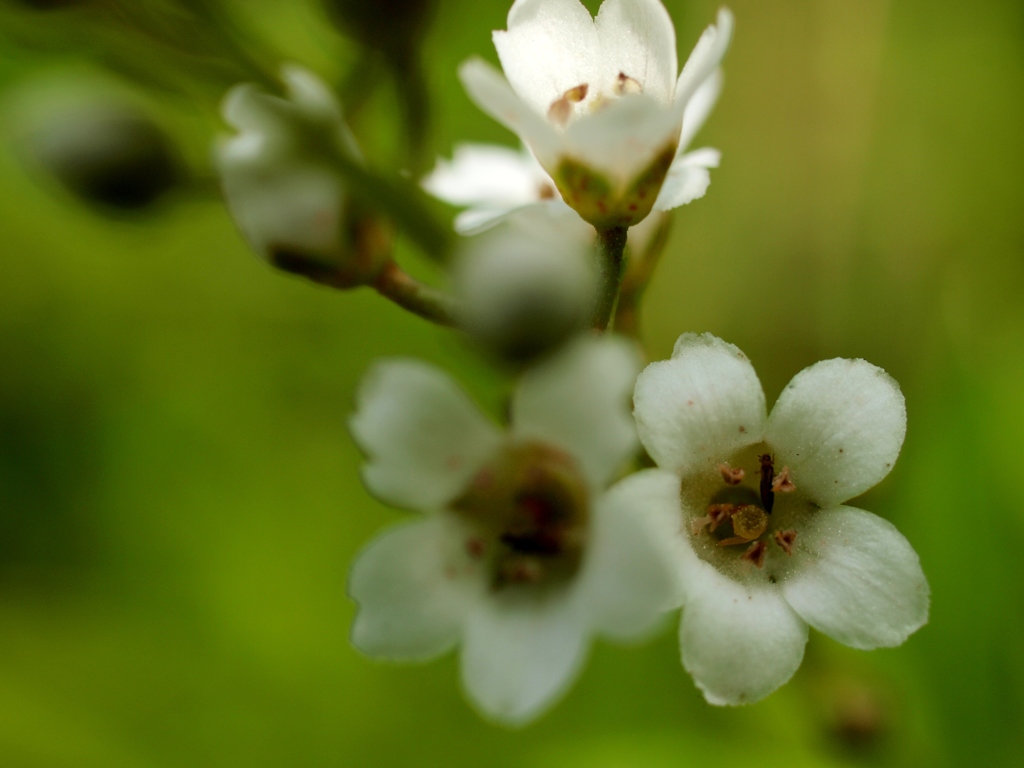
782 482
522 570
546 192
719 513
625 85
785 540
561 110
732 476
698 524
755 554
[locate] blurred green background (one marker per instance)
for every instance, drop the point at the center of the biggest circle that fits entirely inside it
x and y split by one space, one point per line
180 501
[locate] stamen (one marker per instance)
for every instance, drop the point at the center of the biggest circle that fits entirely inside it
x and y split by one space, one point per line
756 553
521 570
730 475
698 524
785 540
782 482
719 513
626 85
546 192
561 110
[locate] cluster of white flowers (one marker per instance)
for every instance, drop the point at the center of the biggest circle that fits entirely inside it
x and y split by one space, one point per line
534 537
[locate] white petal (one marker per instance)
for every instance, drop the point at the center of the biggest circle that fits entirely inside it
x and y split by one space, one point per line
579 401
700 406
424 439
839 426
639 41
492 93
705 58
628 577
688 179
623 137
474 221
414 585
519 655
857 579
739 642
488 175
551 46
699 107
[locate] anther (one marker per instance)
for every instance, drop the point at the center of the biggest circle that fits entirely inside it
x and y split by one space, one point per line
561 110
626 85
730 475
755 554
785 540
782 482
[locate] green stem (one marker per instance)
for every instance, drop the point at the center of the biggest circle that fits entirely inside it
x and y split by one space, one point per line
638 277
611 249
413 296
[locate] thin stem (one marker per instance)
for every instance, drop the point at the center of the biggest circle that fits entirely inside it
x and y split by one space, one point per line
638 277
415 97
413 296
611 249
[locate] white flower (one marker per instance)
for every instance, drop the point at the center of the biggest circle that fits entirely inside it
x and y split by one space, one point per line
285 196
528 283
763 541
522 554
493 181
597 100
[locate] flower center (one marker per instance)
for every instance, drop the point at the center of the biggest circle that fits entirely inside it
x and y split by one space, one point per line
745 514
562 109
529 509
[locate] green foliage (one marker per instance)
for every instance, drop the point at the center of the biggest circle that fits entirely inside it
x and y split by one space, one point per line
179 499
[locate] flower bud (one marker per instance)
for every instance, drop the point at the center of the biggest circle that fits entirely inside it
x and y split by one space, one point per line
283 189
528 283
106 153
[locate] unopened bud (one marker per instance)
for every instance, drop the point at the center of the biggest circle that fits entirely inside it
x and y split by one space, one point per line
106 153
528 283
283 191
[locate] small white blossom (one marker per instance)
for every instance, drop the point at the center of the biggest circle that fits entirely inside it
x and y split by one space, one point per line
753 508
493 181
281 188
522 555
529 282
598 100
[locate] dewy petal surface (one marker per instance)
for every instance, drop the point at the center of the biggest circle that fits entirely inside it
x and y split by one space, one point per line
857 579
705 58
739 642
423 437
688 179
839 426
411 606
699 406
628 578
638 40
699 107
519 655
579 401
551 46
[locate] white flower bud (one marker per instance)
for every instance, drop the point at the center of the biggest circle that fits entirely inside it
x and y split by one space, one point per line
528 283
282 187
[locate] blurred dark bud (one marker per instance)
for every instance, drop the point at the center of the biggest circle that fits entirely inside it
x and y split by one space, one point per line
858 717
106 154
393 27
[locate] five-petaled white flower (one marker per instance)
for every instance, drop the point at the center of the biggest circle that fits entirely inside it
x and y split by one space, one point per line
285 195
753 507
522 554
493 181
598 101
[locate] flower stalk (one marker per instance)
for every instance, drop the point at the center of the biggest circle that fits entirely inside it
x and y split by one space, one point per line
638 276
611 259
396 285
